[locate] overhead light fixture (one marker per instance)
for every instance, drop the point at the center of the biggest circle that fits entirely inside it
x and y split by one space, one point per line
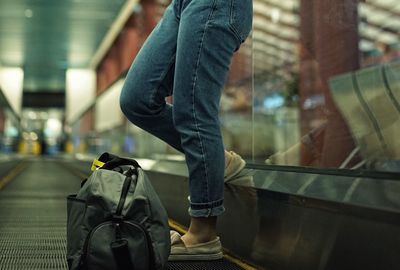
28 13
80 91
11 83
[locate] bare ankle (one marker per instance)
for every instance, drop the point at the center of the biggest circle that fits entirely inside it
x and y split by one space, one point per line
193 239
201 230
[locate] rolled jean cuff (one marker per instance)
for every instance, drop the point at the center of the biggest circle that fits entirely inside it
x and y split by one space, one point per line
207 210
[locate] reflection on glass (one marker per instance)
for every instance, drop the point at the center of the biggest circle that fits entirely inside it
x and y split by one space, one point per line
236 103
326 83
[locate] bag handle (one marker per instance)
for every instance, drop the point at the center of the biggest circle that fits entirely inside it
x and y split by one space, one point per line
109 161
130 176
120 247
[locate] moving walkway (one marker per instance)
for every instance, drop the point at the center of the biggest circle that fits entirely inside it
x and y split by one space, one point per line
277 218
33 217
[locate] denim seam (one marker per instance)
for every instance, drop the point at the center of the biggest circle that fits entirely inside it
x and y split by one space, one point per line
178 18
193 99
206 202
232 14
161 78
209 211
231 22
209 204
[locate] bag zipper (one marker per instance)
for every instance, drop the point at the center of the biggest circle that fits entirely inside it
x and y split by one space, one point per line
149 246
83 260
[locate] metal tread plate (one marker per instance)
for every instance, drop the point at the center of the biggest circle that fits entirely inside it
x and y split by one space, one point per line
33 221
212 265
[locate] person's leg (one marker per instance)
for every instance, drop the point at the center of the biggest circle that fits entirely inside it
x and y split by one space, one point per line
206 61
150 80
206 43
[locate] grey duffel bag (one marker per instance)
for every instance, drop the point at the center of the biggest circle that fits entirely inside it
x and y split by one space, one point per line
116 221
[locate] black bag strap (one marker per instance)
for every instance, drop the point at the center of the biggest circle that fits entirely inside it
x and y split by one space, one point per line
122 254
119 247
112 161
130 176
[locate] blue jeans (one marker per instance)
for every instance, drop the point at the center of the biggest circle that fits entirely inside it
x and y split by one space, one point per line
188 56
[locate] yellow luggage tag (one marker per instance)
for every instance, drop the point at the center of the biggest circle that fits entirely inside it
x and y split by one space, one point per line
97 164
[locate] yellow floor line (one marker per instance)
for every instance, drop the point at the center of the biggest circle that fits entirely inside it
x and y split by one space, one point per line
182 229
12 174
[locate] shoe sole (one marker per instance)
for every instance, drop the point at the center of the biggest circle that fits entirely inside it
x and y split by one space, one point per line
196 257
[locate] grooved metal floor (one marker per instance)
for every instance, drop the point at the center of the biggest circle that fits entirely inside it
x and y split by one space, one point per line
33 217
33 220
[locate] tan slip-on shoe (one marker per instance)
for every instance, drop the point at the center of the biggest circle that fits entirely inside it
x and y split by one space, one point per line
208 251
234 166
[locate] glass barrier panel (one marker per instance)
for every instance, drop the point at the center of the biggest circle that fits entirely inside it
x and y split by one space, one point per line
325 84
